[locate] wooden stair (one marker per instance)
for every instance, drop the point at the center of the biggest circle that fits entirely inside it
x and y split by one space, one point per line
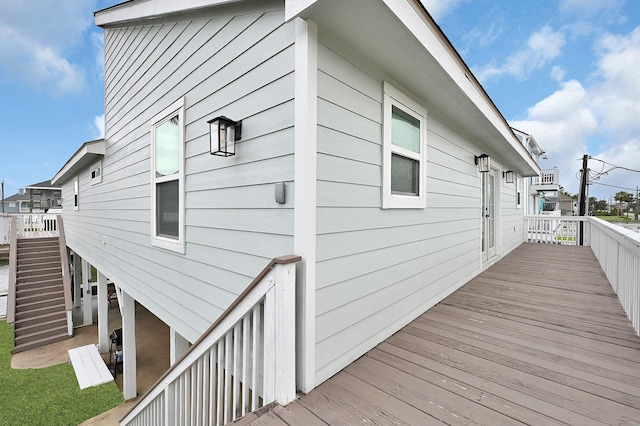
41 317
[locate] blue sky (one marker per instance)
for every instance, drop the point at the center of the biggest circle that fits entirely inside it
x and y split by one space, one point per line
566 71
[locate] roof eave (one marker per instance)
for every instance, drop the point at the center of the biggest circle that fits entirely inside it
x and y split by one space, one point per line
89 152
136 10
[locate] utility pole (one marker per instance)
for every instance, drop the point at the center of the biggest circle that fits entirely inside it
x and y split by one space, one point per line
2 195
583 195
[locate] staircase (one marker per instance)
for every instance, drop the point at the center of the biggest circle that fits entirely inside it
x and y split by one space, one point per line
40 313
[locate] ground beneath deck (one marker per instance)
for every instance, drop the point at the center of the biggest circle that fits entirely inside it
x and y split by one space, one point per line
539 338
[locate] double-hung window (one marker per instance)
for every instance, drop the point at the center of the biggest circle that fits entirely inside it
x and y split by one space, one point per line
167 178
404 147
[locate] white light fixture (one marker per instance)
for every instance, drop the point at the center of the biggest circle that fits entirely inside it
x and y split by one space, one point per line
509 176
224 133
484 163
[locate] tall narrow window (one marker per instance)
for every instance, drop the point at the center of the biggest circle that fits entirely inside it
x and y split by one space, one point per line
167 178
404 142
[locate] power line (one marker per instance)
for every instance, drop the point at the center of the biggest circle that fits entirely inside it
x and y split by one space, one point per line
612 186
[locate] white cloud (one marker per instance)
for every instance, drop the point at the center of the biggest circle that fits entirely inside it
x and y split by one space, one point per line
36 40
607 110
558 73
99 126
440 8
542 47
590 8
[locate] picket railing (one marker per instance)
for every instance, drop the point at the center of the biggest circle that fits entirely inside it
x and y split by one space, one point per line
563 230
618 251
244 361
37 225
547 177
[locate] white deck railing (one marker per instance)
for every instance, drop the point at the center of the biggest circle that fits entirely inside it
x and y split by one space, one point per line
555 229
618 251
244 361
37 225
547 177
616 248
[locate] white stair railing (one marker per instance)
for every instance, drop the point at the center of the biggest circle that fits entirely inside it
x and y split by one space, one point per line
244 361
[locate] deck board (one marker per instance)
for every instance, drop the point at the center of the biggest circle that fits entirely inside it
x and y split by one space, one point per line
538 338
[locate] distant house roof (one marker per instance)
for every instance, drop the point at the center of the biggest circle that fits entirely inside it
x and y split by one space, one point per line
43 185
83 157
16 197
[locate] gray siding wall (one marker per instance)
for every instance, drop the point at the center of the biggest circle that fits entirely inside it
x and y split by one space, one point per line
512 218
238 62
379 269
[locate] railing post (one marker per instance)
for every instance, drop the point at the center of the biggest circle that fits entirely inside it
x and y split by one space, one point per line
285 301
13 260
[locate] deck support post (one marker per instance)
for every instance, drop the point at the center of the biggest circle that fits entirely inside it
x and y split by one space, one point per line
87 309
103 314
178 346
129 385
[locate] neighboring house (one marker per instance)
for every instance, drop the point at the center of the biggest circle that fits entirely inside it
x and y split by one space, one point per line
17 203
541 194
361 128
38 198
568 205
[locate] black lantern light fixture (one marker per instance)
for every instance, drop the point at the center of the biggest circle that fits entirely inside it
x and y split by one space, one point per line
224 133
509 176
484 163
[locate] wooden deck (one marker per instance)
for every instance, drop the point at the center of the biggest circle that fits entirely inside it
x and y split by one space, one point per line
539 338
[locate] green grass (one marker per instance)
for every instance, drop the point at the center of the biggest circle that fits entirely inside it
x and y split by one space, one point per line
47 396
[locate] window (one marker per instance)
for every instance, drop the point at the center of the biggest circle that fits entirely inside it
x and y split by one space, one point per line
167 178
404 147
76 198
96 173
519 185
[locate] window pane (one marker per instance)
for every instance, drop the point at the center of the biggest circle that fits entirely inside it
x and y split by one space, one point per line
167 148
404 175
167 209
405 130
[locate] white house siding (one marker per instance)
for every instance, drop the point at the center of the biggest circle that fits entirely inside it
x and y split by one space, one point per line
512 218
379 269
235 61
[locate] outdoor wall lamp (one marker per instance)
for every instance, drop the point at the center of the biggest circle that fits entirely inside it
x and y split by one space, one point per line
224 133
509 176
484 163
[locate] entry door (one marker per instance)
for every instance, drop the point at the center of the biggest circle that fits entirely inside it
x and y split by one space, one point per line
488 215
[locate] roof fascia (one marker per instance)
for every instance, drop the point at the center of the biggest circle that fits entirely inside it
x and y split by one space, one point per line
148 9
429 34
87 151
294 8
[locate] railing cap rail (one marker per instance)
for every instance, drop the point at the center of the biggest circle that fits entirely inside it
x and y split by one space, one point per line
281 260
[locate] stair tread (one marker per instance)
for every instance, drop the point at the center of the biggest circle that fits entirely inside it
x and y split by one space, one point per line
41 342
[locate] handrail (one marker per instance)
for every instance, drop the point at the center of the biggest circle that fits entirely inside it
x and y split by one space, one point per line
618 252
188 356
13 260
66 279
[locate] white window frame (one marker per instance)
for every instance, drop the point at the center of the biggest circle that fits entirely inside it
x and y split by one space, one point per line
76 193
95 172
394 97
519 194
176 245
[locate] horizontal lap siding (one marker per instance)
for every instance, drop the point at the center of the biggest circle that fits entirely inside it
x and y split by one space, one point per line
378 269
512 218
236 64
